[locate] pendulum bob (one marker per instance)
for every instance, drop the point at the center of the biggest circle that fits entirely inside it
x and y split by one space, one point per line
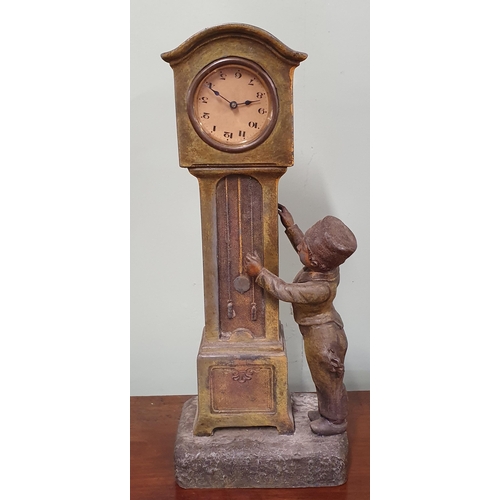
242 363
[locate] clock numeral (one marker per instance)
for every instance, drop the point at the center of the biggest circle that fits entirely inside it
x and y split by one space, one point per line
204 100
238 74
251 81
205 116
222 75
252 124
262 111
260 95
213 130
241 133
228 135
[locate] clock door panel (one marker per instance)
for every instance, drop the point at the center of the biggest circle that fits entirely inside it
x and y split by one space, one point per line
239 231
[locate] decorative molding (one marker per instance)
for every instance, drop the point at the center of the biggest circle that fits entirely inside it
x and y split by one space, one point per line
233 30
242 377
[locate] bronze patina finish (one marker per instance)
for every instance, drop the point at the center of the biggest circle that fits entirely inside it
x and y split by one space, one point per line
255 45
322 249
242 363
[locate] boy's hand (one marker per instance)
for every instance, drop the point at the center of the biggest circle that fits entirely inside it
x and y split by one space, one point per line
285 216
253 264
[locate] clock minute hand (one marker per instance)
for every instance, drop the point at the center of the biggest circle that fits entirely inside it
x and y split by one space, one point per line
232 104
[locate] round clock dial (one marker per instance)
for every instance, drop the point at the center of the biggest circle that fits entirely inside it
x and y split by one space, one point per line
233 104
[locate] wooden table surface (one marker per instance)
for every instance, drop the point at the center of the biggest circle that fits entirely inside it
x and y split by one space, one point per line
153 428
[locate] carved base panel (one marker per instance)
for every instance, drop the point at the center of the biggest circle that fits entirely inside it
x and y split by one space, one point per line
247 389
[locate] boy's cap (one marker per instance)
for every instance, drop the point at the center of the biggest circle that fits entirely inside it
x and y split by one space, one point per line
331 241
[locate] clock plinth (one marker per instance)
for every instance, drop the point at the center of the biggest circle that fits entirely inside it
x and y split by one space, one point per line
243 385
233 92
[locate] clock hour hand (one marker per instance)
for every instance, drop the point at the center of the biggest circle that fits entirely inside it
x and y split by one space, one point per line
232 104
246 103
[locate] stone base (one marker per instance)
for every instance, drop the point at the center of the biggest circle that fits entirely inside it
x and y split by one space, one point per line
258 457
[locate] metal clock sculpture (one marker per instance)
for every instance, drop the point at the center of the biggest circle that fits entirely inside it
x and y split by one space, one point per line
234 102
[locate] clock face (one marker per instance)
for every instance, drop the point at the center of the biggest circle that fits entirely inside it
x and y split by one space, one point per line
233 104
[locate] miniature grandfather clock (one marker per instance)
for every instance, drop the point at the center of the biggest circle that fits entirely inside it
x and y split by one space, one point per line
233 95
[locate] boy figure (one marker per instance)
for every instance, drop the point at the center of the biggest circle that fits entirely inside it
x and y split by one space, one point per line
322 249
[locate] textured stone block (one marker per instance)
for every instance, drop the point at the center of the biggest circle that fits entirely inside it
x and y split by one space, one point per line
259 457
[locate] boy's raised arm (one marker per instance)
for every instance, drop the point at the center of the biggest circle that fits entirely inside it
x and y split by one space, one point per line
294 233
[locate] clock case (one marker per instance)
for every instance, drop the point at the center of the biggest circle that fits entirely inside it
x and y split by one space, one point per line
242 364
248 42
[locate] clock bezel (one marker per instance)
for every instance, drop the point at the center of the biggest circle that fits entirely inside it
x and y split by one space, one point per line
273 101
